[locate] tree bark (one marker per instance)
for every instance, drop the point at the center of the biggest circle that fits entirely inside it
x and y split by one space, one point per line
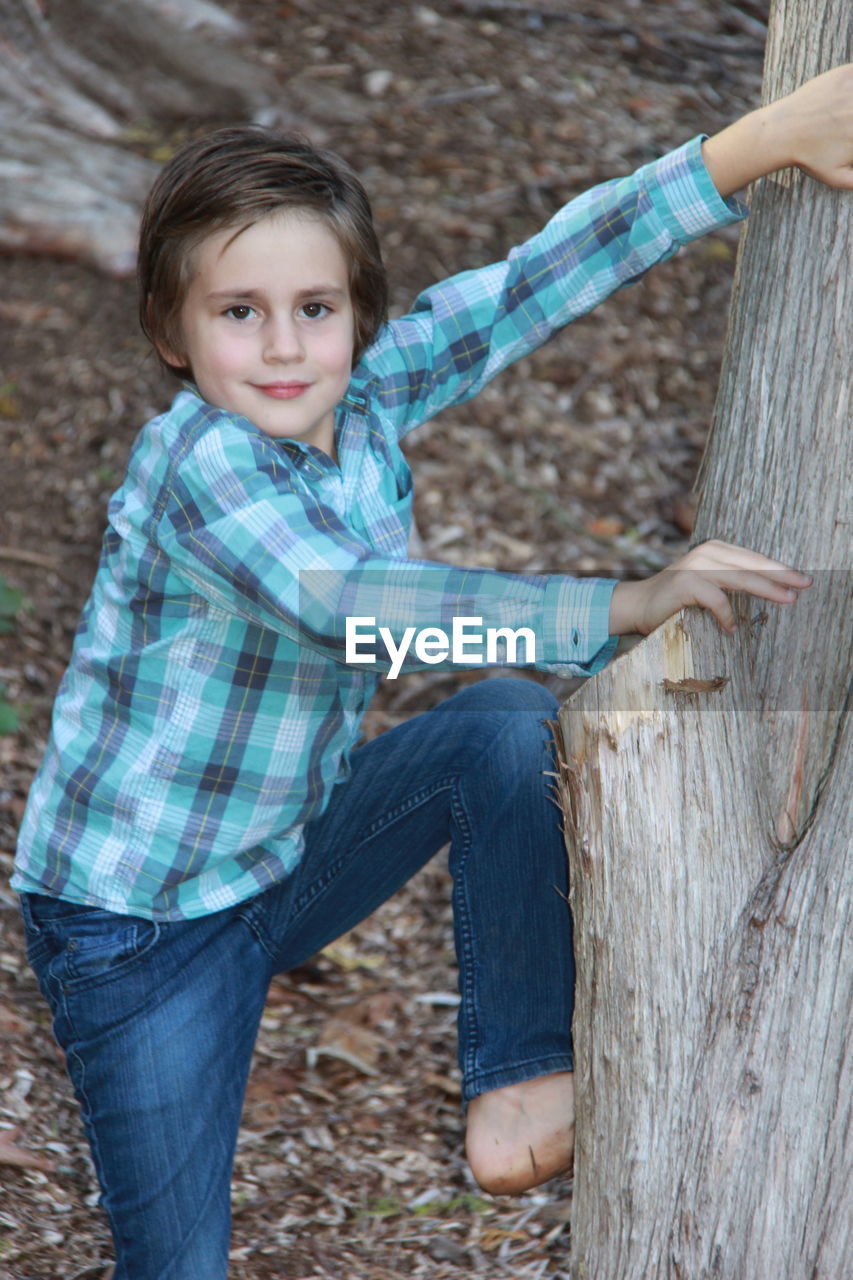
706 786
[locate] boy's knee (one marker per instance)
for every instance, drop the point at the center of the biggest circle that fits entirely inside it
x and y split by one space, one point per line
514 736
510 693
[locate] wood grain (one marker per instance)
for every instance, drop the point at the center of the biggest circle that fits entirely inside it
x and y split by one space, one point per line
709 830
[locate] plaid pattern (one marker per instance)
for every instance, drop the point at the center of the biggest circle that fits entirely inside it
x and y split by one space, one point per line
207 711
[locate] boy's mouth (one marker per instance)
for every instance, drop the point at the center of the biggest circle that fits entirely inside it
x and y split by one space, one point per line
282 390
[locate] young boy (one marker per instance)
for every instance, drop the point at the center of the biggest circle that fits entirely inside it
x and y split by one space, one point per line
201 819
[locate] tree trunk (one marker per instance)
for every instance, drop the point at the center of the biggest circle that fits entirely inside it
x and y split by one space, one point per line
706 787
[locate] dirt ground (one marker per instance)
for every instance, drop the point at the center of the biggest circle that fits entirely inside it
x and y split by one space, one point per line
470 122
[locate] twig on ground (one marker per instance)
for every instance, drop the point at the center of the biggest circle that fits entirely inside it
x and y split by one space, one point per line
658 40
28 557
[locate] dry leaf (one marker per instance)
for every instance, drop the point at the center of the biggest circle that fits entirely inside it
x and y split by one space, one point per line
447 1085
351 1043
605 527
11 1023
683 515
493 1238
11 1153
375 1009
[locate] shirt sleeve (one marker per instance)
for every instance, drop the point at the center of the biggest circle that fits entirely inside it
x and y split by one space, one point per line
244 535
465 330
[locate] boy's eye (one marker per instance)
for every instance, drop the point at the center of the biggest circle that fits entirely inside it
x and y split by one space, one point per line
314 310
240 312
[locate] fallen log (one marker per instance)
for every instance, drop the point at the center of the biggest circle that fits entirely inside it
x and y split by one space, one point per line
73 77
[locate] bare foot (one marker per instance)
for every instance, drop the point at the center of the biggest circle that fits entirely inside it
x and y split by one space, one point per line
522 1135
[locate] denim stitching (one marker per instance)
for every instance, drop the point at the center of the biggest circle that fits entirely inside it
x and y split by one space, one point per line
312 891
513 1073
465 933
77 1073
472 1076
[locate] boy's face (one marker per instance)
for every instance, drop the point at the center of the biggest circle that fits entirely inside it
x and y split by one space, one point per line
267 326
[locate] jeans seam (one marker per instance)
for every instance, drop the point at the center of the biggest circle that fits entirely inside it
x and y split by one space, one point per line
252 916
313 890
74 1061
414 802
471 1074
515 1072
464 933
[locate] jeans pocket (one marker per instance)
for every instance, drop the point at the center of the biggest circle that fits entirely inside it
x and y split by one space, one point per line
79 946
92 959
42 944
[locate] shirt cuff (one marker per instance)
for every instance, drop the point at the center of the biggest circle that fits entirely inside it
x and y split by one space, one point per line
683 194
577 639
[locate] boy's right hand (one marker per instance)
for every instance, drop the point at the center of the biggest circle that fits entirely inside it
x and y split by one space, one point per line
703 577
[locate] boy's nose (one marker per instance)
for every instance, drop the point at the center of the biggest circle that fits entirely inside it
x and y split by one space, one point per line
282 340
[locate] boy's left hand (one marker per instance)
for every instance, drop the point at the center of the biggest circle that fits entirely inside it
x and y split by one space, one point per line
811 128
817 123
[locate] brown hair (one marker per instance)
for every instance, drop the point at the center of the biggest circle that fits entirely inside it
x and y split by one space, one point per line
233 178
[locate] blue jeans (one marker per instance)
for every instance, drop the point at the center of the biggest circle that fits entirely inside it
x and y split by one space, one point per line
158 1021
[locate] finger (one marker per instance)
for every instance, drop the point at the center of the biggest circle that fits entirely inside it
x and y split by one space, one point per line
782 588
763 586
726 555
729 554
711 597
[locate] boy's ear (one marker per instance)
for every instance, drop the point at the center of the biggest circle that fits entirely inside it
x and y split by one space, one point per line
170 357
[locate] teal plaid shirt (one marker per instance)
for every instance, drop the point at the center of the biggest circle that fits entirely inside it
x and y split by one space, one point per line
208 708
